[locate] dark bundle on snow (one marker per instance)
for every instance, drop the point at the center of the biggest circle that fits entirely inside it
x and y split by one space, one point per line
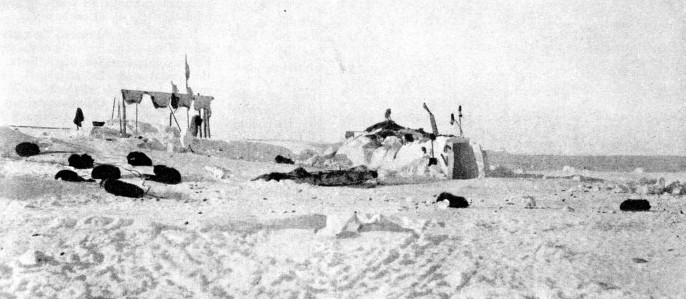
119 188
106 171
635 205
27 149
283 160
166 175
453 200
353 176
138 159
84 161
70 176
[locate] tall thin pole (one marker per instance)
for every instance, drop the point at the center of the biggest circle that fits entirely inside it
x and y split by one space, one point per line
122 120
114 101
202 124
204 112
119 117
123 109
136 118
177 122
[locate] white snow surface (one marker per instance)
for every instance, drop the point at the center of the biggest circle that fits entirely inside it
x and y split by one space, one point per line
225 236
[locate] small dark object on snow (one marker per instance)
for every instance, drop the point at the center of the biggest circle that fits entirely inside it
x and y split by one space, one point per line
98 123
433 161
639 260
138 159
166 175
283 160
454 201
635 205
70 176
84 161
27 149
106 171
119 188
409 138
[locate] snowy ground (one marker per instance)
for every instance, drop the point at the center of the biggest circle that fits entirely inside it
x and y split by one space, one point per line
212 237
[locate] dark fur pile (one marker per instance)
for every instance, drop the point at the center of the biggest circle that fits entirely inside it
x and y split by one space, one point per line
353 176
138 159
635 205
283 160
106 171
166 175
84 161
119 188
70 176
27 149
453 200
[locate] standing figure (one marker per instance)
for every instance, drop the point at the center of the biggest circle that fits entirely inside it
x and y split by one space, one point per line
196 121
78 119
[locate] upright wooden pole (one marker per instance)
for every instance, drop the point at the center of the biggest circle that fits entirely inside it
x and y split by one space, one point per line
202 124
204 111
123 110
188 120
136 118
119 117
114 101
177 122
209 134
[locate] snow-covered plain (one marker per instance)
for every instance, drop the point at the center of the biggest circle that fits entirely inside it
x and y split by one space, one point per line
225 236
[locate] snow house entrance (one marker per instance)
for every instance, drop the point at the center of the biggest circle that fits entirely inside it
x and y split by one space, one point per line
464 161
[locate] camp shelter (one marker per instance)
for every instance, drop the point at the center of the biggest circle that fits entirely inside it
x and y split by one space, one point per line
170 101
397 150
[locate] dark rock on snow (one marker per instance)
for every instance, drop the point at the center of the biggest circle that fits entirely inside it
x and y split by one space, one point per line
634 205
138 159
27 149
106 171
283 160
84 161
453 200
70 176
119 188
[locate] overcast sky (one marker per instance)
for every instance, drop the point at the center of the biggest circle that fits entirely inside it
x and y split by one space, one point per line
558 77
